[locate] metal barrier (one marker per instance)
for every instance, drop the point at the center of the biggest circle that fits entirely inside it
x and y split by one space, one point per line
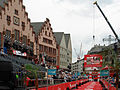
43 82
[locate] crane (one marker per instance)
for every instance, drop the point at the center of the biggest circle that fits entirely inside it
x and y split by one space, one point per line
95 3
78 56
80 53
117 69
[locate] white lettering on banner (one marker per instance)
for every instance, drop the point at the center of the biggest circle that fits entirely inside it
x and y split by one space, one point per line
52 71
91 86
59 88
19 53
74 85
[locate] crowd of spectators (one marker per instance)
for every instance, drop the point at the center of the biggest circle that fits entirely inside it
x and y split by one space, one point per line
63 77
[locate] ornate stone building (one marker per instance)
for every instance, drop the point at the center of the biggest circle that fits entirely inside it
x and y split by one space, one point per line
16 32
69 48
46 42
77 67
18 36
64 50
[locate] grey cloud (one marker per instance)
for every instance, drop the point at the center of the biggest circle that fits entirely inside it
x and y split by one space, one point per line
105 2
76 2
87 10
84 12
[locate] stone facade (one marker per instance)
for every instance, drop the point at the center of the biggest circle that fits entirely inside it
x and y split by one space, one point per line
35 39
64 49
77 66
46 42
15 26
69 48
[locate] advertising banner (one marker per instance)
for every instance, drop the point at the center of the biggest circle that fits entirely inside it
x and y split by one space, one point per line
104 73
93 60
19 53
51 71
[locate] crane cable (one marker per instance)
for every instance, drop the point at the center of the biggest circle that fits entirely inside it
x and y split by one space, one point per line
93 25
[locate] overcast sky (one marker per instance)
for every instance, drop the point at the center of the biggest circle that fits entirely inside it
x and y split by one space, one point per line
80 18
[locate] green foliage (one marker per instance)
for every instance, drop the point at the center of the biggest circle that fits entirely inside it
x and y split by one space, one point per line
31 67
33 71
109 55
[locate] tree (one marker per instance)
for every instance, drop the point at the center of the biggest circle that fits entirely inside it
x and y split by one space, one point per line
110 58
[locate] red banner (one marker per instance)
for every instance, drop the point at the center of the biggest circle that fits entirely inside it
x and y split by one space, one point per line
63 86
94 60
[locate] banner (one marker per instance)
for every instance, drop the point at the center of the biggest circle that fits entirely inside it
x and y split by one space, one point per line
63 86
104 73
51 71
15 52
78 74
94 60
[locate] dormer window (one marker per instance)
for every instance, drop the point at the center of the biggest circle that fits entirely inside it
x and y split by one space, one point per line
16 12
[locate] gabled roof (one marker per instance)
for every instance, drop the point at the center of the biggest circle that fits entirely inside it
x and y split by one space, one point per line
67 37
58 36
2 3
37 27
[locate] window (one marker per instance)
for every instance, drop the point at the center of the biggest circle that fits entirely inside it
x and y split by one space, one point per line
50 50
49 41
46 33
45 48
31 44
16 12
23 25
8 33
54 51
45 40
49 34
24 39
17 35
8 18
41 47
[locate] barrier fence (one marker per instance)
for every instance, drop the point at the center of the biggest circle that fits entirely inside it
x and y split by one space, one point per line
61 86
108 85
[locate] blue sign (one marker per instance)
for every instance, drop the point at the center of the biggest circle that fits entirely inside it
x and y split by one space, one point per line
78 74
51 71
104 73
84 74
